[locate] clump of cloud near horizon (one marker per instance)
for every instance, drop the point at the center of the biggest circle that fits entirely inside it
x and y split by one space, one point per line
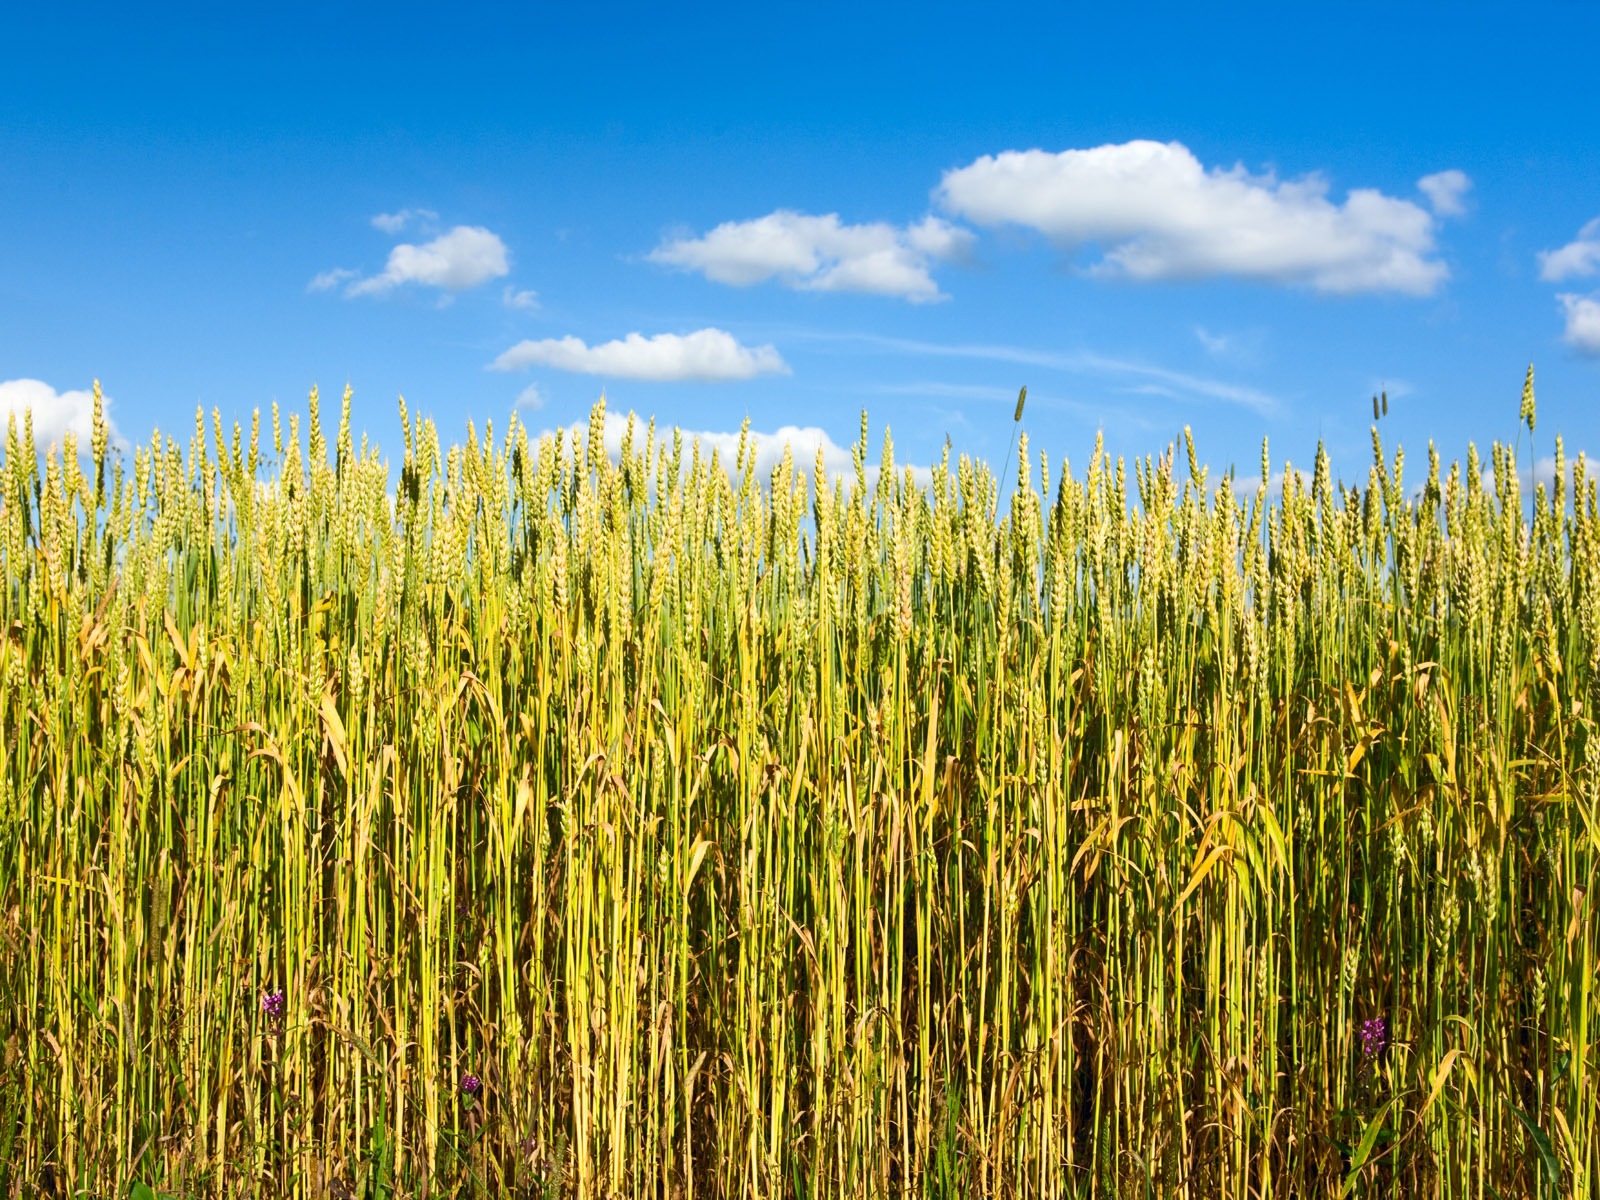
802 441
707 355
56 414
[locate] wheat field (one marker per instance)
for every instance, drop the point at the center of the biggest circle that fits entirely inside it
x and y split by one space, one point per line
570 824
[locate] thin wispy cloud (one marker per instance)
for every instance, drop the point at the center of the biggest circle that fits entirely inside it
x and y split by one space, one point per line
995 397
1149 389
949 391
1238 347
464 258
394 222
56 414
707 355
1254 399
1080 363
1156 213
821 254
1218 345
326 281
1396 389
523 299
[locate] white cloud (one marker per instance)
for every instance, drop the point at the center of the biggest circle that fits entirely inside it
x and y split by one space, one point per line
1183 382
530 397
1583 322
1444 190
1395 389
396 221
328 280
520 299
707 354
939 239
822 254
1275 485
1218 345
1156 213
1529 475
1079 363
55 414
802 440
465 257
1245 347
950 391
1579 257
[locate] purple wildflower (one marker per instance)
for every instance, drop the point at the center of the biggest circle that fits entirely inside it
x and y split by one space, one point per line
272 1005
1374 1037
471 1085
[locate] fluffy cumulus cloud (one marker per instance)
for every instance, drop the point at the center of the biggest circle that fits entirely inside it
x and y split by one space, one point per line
1577 258
1583 322
705 355
463 258
822 254
1155 213
55 414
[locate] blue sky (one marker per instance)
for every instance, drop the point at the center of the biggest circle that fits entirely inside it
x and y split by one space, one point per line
1242 218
